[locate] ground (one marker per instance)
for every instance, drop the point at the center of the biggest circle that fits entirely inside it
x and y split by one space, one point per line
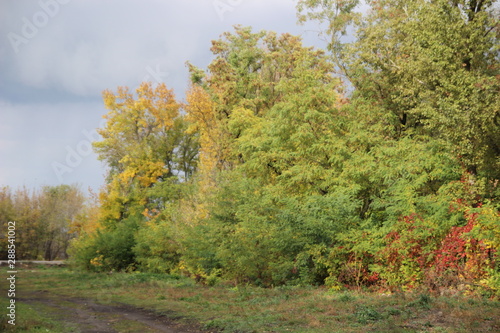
86 316
65 300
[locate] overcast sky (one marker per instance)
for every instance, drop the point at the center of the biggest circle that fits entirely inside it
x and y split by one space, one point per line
56 57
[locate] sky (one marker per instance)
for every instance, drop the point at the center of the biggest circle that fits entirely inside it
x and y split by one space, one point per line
57 56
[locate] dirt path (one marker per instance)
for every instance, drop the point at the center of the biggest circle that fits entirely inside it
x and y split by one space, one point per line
85 316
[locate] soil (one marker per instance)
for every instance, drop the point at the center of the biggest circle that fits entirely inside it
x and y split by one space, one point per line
86 316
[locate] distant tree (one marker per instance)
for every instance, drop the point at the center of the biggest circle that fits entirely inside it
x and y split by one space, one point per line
43 219
59 206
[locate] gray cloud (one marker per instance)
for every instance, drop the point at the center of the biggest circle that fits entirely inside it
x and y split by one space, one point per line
56 57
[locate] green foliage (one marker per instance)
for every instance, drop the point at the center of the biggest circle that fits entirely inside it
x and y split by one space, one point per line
423 301
393 186
432 64
365 314
155 248
107 250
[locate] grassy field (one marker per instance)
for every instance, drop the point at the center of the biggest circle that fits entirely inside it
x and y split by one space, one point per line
246 308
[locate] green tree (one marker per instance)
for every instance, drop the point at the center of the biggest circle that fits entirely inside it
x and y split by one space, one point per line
432 64
278 108
425 79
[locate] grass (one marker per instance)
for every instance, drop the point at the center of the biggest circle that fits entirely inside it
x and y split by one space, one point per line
252 309
30 319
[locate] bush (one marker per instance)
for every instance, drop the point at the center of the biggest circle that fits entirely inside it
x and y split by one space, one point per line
156 250
106 250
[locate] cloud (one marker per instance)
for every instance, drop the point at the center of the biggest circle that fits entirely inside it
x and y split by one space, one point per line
87 46
57 56
35 136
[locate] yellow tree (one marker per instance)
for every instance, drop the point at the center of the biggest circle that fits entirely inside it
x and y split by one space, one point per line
144 144
202 118
86 222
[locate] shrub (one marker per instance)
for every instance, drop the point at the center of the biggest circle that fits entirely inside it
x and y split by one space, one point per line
107 250
155 249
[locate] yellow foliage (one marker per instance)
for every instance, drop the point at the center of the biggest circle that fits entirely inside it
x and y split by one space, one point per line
97 261
87 222
201 115
137 143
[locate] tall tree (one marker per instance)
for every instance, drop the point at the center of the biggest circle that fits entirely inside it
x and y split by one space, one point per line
434 65
275 106
144 144
249 77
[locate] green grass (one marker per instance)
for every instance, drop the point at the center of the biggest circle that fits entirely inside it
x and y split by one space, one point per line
30 319
252 309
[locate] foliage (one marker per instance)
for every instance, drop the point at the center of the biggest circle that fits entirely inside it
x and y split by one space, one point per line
156 250
43 220
432 64
149 154
275 172
107 250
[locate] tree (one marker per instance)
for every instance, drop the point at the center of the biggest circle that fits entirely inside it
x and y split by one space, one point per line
144 144
248 78
268 115
59 205
42 218
150 154
426 79
432 64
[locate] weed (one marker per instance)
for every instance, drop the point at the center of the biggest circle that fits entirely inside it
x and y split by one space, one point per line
394 311
423 301
365 314
343 297
215 324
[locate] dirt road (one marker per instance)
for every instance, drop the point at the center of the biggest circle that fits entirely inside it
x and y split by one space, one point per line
85 316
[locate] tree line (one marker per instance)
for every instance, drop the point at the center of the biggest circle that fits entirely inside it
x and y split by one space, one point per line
44 220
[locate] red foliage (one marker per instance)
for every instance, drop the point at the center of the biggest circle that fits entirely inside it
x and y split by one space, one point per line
454 259
465 256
